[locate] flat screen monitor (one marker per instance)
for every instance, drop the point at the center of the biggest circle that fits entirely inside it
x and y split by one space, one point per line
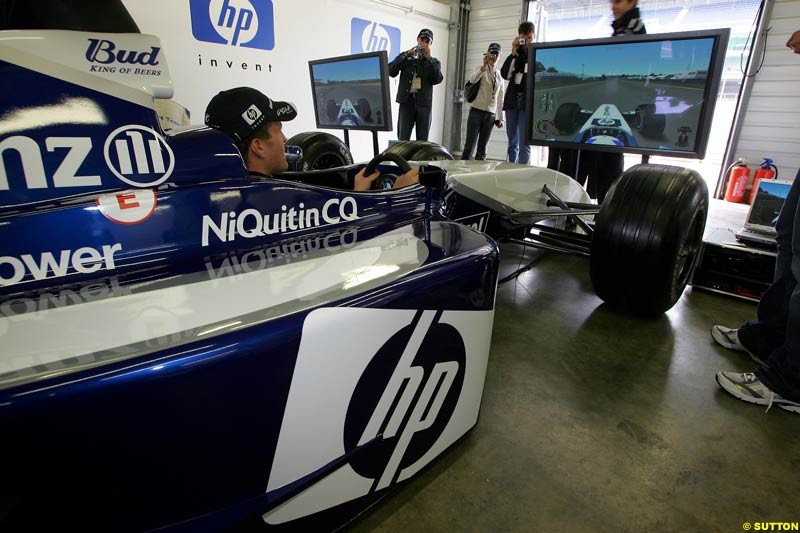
352 92
647 94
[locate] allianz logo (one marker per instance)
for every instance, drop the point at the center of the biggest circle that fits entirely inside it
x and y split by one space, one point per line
106 52
252 223
135 154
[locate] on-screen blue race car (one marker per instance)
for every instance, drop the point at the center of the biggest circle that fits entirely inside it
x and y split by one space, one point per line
607 124
190 349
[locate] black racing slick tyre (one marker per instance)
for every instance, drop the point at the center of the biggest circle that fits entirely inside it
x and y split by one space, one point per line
647 121
647 237
419 151
365 110
321 150
568 117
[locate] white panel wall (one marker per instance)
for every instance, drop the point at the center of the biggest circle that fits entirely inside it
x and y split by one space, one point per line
304 30
490 21
771 126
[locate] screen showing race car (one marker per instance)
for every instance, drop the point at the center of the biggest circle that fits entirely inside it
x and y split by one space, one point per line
352 92
649 94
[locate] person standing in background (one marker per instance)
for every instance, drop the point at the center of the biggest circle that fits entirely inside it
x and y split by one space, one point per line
419 72
515 70
483 110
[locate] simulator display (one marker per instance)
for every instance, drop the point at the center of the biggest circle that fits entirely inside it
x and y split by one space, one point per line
352 92
649 94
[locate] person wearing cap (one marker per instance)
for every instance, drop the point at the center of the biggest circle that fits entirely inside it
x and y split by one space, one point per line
255 123
515 70
419 72
483 110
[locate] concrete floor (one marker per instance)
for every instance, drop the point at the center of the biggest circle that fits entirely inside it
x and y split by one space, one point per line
597 421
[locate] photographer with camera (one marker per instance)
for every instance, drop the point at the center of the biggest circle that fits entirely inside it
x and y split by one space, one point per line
419 72
515 70
483 109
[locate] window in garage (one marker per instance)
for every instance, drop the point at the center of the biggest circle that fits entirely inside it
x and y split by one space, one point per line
558 20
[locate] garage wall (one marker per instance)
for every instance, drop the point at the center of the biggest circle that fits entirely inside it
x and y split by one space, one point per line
771 123
490 21
302 30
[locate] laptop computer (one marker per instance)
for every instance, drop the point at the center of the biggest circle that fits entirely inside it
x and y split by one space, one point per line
759 226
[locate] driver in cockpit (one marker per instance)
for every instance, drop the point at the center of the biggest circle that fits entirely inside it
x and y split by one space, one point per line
255 123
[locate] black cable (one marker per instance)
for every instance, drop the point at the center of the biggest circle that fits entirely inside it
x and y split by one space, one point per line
521 269
742 68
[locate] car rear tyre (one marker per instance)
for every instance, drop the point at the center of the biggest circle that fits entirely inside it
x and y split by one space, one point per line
647 236
419 151
648 122
568 117
321 150
332 110
365 110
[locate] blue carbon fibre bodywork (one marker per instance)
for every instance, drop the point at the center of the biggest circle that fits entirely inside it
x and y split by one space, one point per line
189 349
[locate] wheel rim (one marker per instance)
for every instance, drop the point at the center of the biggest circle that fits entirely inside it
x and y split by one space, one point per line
327 161
689 248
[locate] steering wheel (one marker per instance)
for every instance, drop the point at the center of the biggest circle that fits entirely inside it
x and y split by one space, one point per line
385 181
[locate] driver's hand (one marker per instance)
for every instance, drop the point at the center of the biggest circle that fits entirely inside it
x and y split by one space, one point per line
364 183
409 178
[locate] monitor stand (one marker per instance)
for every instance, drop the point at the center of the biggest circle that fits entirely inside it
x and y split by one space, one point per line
374 140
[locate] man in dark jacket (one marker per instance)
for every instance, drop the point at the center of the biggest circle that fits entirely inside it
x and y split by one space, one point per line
419 72
515 70
601 168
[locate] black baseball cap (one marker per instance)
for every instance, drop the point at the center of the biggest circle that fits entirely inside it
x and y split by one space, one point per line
425 32
495 48
241 111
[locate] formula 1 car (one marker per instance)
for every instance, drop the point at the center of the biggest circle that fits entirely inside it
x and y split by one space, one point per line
607 125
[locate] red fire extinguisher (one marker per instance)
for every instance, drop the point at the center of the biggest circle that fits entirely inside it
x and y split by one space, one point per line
767 171
737 181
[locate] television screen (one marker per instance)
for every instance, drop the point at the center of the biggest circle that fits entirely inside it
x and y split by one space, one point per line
352 92
650 94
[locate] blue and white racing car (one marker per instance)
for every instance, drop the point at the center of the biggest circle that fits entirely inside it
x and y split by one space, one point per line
607 125
188 348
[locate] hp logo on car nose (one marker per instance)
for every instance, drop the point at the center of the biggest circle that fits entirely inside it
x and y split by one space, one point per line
370 36
138 156
249 24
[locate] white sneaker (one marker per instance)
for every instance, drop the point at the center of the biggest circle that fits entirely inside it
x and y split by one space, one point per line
729 338
749 388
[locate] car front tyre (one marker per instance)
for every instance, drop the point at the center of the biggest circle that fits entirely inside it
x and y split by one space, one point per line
647 237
